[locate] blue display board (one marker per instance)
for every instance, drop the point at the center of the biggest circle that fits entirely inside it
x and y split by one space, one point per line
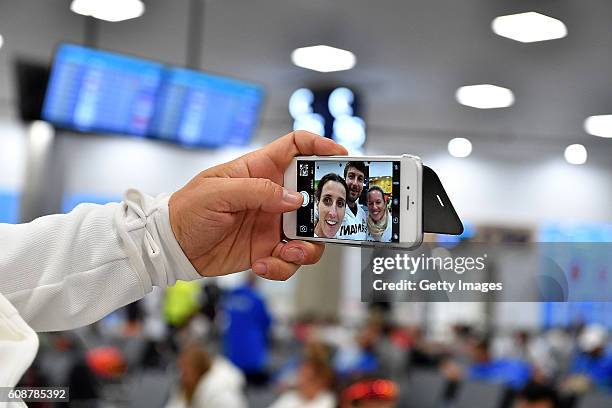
198 109
9 207
585 273
92 90
97 91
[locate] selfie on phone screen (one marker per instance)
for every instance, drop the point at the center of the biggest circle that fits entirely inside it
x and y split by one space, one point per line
349 200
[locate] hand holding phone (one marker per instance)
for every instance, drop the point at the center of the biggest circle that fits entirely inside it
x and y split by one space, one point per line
228 218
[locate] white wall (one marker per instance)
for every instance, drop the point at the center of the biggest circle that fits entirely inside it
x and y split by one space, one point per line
520 184
110 165
486 190
12 155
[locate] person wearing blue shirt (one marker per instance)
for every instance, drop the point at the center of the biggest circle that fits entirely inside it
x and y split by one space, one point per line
592 363
360 358
245 340
513 373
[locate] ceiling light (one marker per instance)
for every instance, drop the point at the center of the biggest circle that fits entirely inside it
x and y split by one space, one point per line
529 27
576 154
600 125
340 102
109 10
300 102
460 147
485 96
323 58
1 40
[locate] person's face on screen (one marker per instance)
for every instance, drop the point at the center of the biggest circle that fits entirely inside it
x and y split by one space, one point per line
376 205
331 205
354 181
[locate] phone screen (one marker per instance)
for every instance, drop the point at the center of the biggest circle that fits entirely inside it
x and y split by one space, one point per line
352 200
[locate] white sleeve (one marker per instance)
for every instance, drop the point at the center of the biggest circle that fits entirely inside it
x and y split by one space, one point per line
66 271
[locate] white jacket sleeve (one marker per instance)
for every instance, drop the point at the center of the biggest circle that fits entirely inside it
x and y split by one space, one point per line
66 271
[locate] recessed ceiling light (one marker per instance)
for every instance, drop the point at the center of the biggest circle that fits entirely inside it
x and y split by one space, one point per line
600 125
575 154
460 147
109 10
323 58
485 96
529 27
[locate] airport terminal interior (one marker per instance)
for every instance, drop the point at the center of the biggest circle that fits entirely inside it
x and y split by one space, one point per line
510 102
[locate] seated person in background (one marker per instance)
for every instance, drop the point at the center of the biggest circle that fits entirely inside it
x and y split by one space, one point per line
372 393
315 382
354 224
536 396
532 348
512 373
359 358
379 219
592 367
330 197
207 382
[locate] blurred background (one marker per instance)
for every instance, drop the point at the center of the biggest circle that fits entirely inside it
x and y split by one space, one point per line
511 109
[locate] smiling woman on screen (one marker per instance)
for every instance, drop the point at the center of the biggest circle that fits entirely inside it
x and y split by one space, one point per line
331 204
379 226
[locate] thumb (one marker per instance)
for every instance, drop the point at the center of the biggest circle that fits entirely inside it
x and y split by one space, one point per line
242 194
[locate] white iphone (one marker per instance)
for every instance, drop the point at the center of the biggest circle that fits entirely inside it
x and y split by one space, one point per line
357 200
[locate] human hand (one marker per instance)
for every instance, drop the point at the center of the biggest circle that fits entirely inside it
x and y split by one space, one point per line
228 218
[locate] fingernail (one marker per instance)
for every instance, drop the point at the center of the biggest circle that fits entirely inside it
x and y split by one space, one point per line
291 198
260 269
294 255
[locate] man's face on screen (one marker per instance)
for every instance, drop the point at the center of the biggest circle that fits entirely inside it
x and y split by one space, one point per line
354 181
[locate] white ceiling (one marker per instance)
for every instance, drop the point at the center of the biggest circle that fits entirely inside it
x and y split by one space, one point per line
411 57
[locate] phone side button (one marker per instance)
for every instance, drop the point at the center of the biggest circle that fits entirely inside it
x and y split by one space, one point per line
407 203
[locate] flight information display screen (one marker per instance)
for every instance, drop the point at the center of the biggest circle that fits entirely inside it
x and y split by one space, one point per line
198 109
91 90
98 91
